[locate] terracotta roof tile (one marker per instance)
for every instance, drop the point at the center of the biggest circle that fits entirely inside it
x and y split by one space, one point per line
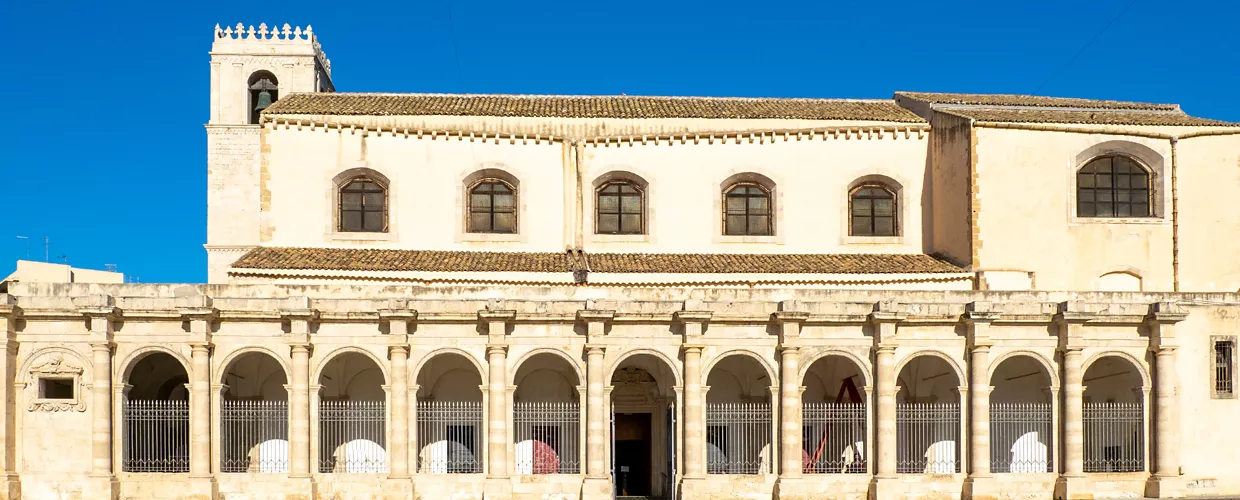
1087 117
589 106
345 259
1033 101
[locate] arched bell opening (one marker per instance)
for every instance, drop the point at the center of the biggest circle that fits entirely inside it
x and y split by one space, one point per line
449 416
928 417
643 405
155 416
738 417
546 416
1113 416
263 90
833 417
352 416
254 416
1021 423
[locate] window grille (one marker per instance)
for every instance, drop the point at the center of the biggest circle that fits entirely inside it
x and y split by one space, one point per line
747 210
1114 436
833 438
547 437
352 437
450 435
1113 186
1020 437
1224 367
492 207
873 211
253 436
928 438
155 436
738 438
620 209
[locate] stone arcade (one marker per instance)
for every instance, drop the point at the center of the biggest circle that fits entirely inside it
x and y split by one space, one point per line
559 297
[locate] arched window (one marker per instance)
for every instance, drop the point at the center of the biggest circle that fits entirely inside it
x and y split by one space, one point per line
620 208
264 90
363 206
1113 186
747 210
872 208
492 207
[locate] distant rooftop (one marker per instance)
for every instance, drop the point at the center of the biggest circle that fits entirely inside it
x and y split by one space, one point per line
29 271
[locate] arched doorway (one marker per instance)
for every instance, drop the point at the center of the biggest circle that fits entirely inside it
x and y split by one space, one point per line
833 417
254 415
738 417
1113 416
352 416
928 417
643 441
449 416
546 416
1021 423
155 416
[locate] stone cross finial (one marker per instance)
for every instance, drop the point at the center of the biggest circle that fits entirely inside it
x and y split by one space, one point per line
287 31
262 31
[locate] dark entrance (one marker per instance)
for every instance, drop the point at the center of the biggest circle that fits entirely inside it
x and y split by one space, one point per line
632 451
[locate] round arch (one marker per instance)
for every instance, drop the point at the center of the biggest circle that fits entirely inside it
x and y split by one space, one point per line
862 365
482 369
619 175
126 365
960 376
615 365
1040 359
770 371
23 375
512 372
347 175
1137 364
335 353
228 360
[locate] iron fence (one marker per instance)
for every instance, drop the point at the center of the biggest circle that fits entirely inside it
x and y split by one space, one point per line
738 438
1114 437
927 438
1020 437
352 437
833 438
155 436
547 437
253 436
450 435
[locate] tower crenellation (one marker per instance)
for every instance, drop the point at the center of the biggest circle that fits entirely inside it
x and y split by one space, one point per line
287 34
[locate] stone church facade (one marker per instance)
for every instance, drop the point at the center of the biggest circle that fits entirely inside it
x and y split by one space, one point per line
581 297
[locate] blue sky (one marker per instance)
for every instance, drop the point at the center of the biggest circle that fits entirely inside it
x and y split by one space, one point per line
104 152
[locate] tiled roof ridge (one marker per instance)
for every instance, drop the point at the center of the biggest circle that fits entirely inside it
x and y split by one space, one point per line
589 96
1033 101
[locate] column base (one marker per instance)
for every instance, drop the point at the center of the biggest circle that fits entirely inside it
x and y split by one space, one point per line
596 488
1074 488
981 487
887 488
200 486
795 488
1165 487
298 487
101 488
10 487
497 488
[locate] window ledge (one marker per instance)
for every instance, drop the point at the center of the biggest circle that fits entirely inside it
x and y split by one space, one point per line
1145 221
490 237
360 236
749 239
872 240
620 238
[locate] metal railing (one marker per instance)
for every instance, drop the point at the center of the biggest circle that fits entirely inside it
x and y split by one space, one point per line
352 437
927 438
253 436
833 438
1223 376
738 438
155 436
1020 437
547 437
450 435
1114 437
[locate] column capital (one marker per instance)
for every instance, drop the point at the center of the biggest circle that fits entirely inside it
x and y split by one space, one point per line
401 348
397 315
496 349
789 349
595 349
201 346
102 345
697 348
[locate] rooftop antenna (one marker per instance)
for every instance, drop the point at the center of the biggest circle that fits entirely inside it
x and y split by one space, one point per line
27 238
47 249
64 259
109 268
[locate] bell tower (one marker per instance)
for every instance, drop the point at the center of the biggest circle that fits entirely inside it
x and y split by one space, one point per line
250 69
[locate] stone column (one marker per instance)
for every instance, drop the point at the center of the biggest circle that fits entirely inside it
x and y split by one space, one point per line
299 412
977 318
1166 481
596 418
200 410
1073 414
10 484
694 418
398 448
101 407
497 399
790 413
884 320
